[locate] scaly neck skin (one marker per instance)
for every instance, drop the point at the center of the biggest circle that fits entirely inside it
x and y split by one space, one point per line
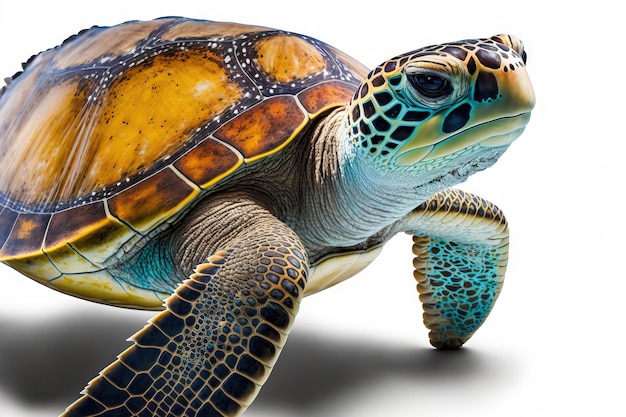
348 199
350 196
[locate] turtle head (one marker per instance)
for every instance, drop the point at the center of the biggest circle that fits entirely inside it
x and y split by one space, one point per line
442 112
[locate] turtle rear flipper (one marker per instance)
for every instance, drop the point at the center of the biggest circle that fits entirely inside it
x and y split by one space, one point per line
213 348
461 247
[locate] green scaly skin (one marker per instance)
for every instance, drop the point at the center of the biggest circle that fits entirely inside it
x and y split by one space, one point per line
419 124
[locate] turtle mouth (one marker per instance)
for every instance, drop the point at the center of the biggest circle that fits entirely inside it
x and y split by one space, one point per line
491 134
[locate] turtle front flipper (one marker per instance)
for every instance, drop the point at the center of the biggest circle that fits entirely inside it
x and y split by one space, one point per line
213 348
460 242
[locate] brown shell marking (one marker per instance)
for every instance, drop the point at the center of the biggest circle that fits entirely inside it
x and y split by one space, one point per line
160 101
265 127
325 95
26 235
74 240
153 200
209 162
84 229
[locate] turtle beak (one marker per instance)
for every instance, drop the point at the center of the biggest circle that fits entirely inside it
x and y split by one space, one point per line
514 81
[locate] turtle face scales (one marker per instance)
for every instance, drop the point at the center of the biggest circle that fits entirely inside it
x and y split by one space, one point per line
452 107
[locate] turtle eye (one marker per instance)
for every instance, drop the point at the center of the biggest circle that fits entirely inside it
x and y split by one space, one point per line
435 84
430 85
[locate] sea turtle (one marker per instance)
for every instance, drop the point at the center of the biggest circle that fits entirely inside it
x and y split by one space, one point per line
221 172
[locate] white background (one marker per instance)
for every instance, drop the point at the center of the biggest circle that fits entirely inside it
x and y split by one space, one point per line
553 344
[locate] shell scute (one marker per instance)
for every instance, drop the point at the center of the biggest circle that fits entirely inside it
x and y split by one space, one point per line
320 97
37 149
26 236
286 57
152 201
194 29
100 241
264 128
100 44
88 231
67 260
209 162
353 67
103 287
7 220
155 108
66 225
34 266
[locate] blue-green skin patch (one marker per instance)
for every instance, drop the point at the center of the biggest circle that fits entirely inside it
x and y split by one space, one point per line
459 278
463 280
150 268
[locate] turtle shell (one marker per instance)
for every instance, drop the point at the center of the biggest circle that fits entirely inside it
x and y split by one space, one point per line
116 132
